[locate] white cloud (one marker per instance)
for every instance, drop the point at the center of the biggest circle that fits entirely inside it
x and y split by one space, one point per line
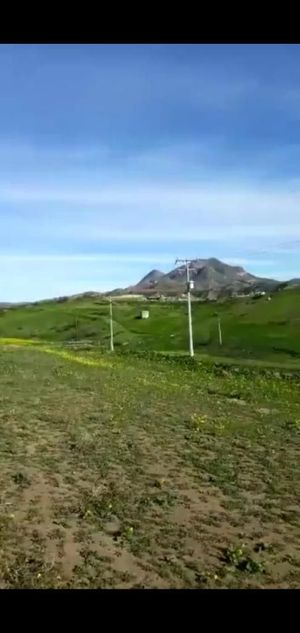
96 233
208 211
246 261
115 260
85 258
209 192
281 275
212 194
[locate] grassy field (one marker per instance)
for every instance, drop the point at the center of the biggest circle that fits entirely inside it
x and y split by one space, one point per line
117 471
252 329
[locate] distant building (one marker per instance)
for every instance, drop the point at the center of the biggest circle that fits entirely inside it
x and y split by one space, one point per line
258 293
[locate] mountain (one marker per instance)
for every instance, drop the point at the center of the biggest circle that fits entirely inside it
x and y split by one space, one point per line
293 282
212 279
151 280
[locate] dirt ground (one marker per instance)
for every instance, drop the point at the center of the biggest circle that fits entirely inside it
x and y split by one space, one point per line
135 473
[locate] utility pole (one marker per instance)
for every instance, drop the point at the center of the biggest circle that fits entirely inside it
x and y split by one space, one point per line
220 331
76 329
190 286
111 326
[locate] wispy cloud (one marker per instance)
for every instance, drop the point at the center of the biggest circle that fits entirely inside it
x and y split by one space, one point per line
116 258
148 214
189 234
281 275
227 199
247 261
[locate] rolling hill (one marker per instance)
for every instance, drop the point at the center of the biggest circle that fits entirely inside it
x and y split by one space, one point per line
252 328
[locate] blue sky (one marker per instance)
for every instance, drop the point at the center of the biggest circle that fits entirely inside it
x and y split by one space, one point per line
118 159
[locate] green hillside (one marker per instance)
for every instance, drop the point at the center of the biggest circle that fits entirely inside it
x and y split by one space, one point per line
251 328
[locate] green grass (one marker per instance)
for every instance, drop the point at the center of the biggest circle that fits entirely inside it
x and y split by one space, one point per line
252 329
133 472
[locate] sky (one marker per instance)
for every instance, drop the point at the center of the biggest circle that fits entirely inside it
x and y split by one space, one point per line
116 159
